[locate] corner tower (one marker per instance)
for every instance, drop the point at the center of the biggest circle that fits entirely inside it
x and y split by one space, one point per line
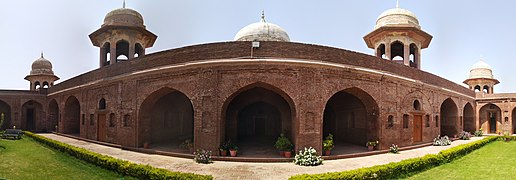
41 75
123 36
481 78
397 36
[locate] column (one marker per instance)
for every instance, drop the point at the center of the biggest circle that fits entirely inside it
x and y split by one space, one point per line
406 54
102 56
388 50
418 58
113 53
131 50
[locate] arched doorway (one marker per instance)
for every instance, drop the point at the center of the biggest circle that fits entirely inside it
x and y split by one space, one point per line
490 118
469 118
350 117
167 121
31 115
53 115
5 115
514 121
254 120
72 117
449 118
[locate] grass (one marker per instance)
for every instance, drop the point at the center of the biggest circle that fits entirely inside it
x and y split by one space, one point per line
28 159
496 160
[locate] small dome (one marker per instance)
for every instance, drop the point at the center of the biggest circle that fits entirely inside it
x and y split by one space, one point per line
262 31
123 17
481 70
397 17
41 66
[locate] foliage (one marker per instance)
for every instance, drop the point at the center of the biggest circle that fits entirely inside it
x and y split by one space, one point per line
283 143
232 146
479 133
442 141
464 135
121 166
506 136
405 168
394 149
372 143
2 118
328 143
186 144
202 156
224 146
308 157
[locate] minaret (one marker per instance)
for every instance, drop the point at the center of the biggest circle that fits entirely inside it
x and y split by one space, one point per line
397 36
123 36
41 75
481 78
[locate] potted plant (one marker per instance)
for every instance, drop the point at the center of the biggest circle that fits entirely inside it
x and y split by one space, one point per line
224 149
328 145
233 148
187 145
507 136
284 145
371 144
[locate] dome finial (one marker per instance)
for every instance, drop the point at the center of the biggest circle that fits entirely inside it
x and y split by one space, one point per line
41 54
397 3
123 5
263 16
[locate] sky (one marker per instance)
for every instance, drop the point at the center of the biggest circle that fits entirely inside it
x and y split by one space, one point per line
464 31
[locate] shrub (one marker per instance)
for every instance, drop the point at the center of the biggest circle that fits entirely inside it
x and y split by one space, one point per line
283 143
202 156
308 157
371 143
123 167
394 149
479 133
405 168
442 141
328 143
464 135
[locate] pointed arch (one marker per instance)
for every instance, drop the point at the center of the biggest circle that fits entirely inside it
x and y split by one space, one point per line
5 115
166 120
397 51
449 118
102 104
380 51
350 116
490 116
72 116
469 118
32 112
122 50
53 115
255 115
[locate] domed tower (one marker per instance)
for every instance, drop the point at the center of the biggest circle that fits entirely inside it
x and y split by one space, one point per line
481 78
41 75
262 31
123 36
397 36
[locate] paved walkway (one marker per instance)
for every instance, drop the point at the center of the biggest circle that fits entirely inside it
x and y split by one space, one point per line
241 170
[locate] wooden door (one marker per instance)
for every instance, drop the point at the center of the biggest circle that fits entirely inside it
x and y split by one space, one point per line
418 128
101 130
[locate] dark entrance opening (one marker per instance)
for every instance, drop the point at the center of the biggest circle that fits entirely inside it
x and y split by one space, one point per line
514 121
490 117
72 117
449 118
469 119
348 116
53 115
31 116
167 122
30 119
254 120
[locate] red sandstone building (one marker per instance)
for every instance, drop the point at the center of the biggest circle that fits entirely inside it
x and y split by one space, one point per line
256 87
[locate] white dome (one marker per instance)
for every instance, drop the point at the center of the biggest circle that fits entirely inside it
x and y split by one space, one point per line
397 17
481 70
262 31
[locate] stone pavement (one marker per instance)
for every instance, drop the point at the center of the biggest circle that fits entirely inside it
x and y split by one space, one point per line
244 170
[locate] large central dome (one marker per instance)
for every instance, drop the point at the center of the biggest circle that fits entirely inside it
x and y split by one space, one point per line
262 31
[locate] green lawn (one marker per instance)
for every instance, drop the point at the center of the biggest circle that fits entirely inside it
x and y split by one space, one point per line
496 160
28 159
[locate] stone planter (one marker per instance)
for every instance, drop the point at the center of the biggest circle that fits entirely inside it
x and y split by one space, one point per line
233 153
287 154
223 152
370 148
327 152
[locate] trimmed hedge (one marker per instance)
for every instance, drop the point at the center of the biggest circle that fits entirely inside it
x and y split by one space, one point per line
405 168
123 167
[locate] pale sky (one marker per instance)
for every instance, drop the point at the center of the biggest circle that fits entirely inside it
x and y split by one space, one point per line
464 31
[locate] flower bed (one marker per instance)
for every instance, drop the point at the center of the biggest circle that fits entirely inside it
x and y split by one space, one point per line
405 168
